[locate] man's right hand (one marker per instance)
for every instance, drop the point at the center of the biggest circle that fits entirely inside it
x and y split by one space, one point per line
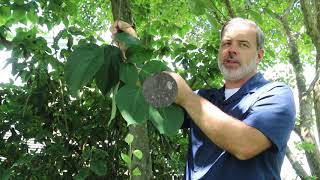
184 90
121 26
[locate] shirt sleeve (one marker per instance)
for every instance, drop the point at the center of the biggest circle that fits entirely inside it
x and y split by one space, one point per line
273 114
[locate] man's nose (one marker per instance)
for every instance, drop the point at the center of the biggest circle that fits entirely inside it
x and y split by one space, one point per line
233 50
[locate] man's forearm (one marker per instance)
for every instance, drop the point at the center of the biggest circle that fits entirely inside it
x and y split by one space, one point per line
225 131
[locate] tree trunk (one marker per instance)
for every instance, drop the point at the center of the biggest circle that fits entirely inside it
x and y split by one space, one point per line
305 129
311 14
121 11
141 142
296 164
316 102
316 93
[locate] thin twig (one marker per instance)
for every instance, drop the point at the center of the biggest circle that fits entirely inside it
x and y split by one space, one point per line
215 7
287 10
229 8
63 108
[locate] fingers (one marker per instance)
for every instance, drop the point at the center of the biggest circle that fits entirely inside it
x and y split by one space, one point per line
183 88
121 26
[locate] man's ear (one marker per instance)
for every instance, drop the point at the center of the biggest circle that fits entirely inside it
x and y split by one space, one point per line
260 55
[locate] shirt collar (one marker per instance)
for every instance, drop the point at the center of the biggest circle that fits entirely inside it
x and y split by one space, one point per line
251 86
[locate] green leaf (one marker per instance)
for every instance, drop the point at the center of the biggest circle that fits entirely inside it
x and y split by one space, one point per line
167 120
108 74
5 174
213 21
198 7
128 73
82 175
19 2
126 158
114 107
152 67
127 39
99 167
256 15
194 8
86 153
129 138
5 14
32 16
132 104
306 146
138 54
136 172
82 65
99 153
19 13
24 160
138 153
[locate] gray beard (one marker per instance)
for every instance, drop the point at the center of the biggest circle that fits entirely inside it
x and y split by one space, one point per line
239 73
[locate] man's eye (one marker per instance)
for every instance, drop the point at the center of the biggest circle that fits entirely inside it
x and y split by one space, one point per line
226 44
244 45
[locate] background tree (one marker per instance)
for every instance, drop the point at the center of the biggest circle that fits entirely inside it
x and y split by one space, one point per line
82 136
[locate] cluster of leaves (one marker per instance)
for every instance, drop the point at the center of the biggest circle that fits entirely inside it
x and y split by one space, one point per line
103 63
77 138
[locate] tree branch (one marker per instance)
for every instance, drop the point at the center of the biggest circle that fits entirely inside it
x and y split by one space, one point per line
5 42
296 164
229 8
314 81
287 10
313 30
217 10
317 14
310 21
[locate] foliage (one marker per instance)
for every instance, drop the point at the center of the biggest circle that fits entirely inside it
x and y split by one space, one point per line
74 79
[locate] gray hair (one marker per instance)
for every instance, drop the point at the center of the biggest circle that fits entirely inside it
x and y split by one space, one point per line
259 33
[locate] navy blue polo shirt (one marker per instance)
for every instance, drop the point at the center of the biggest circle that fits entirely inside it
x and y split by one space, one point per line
269 108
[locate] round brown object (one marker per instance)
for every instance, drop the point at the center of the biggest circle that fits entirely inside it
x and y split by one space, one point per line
160 90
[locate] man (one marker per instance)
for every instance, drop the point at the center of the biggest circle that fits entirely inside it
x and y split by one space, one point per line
241 130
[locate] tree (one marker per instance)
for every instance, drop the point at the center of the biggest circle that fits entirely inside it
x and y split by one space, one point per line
122 11
75 117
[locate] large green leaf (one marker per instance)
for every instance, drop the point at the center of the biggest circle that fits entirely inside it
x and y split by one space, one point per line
167 120
132 104
128 73
99 167
108 75
152 67
127 39
82 65
138 54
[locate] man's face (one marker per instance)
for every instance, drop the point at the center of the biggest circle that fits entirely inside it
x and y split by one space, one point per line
238 54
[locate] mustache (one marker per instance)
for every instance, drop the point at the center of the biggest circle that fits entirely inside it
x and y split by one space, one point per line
231 59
